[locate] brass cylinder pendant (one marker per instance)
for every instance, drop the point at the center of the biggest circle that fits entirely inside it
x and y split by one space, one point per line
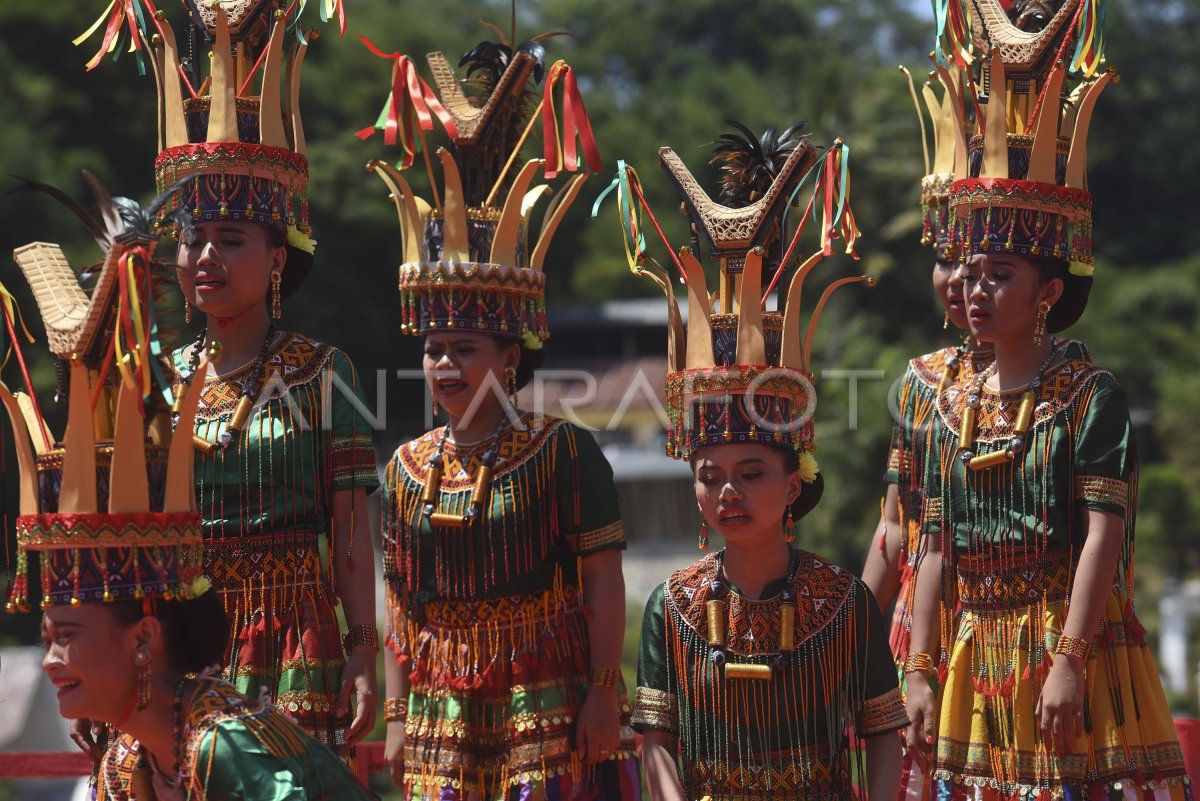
1024 414
787 626
984 461
715 610
752 672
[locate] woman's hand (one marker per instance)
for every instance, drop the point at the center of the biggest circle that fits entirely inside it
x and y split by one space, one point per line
393 751
358 678
89 737
598 729
921 706
1060 706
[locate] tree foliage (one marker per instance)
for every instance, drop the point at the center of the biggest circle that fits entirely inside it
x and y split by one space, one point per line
660 73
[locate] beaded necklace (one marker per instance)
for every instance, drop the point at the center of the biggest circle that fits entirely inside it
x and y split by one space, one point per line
1016 443
483 479
954 362
251 386
716 616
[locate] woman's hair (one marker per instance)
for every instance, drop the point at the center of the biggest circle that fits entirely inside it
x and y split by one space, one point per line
1076 289
196 631
529 360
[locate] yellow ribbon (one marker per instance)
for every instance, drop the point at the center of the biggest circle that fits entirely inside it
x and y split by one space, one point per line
13 312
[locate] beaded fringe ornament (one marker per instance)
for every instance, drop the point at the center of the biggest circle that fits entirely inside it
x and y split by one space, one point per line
473 562
793 721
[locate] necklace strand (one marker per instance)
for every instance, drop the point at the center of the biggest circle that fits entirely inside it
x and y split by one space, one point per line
250 388
1016 443
433 482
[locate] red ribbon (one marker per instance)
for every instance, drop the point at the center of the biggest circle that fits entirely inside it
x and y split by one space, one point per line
575 124
410 95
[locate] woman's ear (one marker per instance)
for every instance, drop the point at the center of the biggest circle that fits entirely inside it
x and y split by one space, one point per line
278 259
148 633
795 487
1051 291
511 355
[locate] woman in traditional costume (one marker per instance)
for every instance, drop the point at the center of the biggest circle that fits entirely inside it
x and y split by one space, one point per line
758 661
109 513
891 560
1048 688
502 534
283 452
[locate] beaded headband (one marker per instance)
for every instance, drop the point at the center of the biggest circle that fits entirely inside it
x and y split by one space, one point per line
109 509
469 260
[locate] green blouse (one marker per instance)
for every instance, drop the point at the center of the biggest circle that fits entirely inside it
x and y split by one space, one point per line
1079 455
551 499
306 439
782 736
234 749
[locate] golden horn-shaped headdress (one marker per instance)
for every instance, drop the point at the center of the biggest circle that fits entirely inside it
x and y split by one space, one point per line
1023 186
741 373
109 508
471 259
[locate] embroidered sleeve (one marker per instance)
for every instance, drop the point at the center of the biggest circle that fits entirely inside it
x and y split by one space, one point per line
589 514
351 454
882 714
882 707
655 709
1105 452
655 706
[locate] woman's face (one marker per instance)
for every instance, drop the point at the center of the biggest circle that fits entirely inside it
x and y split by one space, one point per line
948 286
224 268
1003 292
460 366
743 490
89 658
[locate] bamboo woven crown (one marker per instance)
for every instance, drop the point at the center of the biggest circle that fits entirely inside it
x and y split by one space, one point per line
109 507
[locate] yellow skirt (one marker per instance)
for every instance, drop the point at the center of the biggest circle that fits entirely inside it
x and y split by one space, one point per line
989 740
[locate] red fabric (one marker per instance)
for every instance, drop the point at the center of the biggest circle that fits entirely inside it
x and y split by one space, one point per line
1188 730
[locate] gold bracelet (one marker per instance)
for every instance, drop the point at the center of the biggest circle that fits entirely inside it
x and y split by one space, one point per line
395 710
1073 646
918 662
604 677
361 635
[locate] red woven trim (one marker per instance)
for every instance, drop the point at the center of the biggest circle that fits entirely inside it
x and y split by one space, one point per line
976 193
499 278
236 152
45 532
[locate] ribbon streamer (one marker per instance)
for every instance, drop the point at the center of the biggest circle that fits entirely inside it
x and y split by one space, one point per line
561 152
410 98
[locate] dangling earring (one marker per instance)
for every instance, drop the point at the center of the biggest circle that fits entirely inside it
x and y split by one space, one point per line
702 542
510 382
276 300
1039 327
946 322
187 312
141 658
435 408
789 528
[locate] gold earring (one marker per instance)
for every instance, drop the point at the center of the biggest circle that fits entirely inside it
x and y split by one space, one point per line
435 408
1039 327
276 300
141 658
702 541
510 382
946 321
187 311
